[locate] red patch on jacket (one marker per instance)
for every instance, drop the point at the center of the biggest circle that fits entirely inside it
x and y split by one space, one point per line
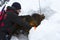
2 24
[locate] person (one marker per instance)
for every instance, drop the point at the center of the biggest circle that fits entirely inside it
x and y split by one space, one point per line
12 18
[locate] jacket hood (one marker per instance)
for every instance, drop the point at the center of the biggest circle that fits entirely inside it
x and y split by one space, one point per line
11 9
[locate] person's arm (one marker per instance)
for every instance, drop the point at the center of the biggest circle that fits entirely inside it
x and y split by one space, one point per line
16 19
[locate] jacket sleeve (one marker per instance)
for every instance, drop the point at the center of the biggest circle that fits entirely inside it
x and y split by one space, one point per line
16 19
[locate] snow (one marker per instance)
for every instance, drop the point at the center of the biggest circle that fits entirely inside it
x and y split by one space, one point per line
14 38
48 29
20 37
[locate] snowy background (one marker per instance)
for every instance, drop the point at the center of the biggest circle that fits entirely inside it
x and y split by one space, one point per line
49 29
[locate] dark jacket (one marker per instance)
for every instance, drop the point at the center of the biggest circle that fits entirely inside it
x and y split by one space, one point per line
12 17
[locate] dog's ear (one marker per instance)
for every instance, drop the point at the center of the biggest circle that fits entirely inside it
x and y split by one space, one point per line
42 16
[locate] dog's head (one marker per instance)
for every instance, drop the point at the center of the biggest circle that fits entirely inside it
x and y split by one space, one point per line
38 18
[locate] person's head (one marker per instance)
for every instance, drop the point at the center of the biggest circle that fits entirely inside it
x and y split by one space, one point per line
17 6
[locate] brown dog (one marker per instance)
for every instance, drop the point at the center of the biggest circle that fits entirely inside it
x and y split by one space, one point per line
33 20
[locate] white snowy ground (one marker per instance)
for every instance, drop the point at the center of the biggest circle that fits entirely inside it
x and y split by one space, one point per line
48 29
20 37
